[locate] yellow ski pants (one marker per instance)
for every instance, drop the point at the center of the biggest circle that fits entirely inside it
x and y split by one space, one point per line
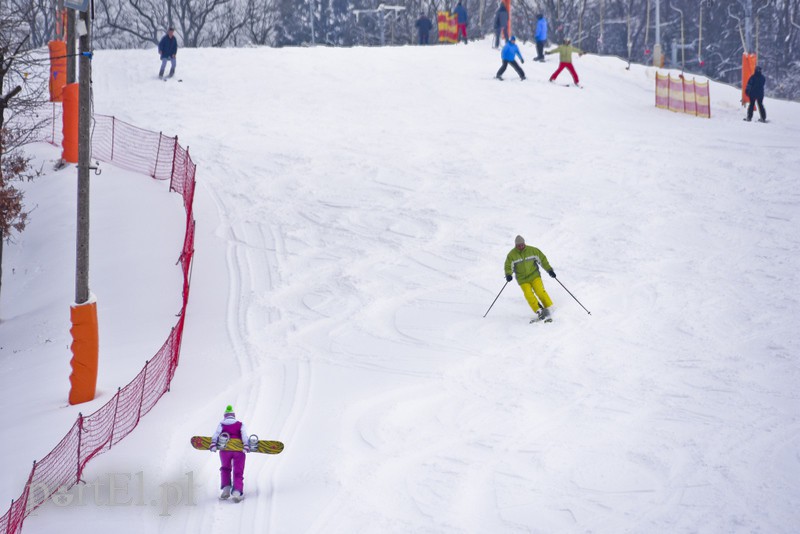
533 290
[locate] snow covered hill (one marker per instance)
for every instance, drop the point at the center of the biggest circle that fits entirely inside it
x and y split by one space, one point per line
354 209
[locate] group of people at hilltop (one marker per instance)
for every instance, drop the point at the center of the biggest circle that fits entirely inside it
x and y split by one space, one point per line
424 25
510 50
168 50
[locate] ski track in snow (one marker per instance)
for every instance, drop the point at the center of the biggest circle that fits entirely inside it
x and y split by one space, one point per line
364 240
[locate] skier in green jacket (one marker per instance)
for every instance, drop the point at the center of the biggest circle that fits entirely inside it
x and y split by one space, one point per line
565 52
524 260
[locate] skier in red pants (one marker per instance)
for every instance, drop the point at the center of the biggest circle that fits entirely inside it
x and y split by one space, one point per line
232 461
565 52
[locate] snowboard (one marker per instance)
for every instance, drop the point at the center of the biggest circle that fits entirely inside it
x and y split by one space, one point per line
203 443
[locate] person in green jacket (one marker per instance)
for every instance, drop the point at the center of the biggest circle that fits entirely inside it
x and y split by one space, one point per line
524 260
565 52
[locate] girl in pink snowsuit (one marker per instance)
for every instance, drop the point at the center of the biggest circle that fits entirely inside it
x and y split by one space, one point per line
231 460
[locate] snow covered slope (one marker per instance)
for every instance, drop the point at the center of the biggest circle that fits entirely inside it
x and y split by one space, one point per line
354 209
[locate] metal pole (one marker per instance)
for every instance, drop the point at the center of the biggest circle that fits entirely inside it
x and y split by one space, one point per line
658 22
311 16
658 58
573 296
71 70
748 26
84 156
495 299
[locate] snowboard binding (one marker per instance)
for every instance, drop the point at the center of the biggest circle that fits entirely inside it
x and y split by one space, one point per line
223 439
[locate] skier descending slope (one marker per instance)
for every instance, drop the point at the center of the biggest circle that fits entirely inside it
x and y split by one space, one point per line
524 261
232 461
508 55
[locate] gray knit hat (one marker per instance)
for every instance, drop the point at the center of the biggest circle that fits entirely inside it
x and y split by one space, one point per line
519 240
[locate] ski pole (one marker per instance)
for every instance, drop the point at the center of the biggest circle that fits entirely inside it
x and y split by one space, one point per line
495 299
573 296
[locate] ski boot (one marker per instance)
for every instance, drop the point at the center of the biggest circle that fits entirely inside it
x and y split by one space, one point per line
226 492
237 496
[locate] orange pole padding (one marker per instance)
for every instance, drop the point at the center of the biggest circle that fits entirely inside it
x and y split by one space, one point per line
508 8
69 142
85 348
58 69
748 68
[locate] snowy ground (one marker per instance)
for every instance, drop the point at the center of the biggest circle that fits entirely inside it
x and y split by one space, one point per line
354 209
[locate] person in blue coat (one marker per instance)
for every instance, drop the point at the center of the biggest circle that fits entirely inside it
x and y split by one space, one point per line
508 55
424 26
168 49
541 36
755 91
461 20
500 24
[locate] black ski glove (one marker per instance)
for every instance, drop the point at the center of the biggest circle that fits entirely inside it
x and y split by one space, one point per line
509 278
552 273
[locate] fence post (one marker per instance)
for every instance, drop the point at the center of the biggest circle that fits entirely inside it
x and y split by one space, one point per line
141 397
80 433
114 421
113 136
26 497
53 132
174 155
158 153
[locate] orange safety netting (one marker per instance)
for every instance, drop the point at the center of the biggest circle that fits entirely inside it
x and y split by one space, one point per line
448 29
683 96
161 157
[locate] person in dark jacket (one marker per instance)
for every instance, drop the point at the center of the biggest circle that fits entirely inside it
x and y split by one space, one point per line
541 36
461 20
168 49
508 55
424 26
755 91
500 24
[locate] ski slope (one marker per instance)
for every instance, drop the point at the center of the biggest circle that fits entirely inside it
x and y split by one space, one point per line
354 209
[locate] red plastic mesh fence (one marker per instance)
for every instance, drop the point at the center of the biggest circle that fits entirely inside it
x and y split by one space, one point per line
161 157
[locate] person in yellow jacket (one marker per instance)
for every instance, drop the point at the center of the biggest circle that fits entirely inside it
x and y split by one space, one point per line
524 261
565 52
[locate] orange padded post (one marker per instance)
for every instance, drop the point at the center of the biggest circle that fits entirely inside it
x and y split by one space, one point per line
748 68
70 127
508 8
58 69
85 348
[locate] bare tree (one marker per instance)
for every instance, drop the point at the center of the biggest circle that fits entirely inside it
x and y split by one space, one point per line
197 22
19 97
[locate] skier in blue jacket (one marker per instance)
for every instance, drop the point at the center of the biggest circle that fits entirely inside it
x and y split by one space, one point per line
168 49
508 55
541 36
